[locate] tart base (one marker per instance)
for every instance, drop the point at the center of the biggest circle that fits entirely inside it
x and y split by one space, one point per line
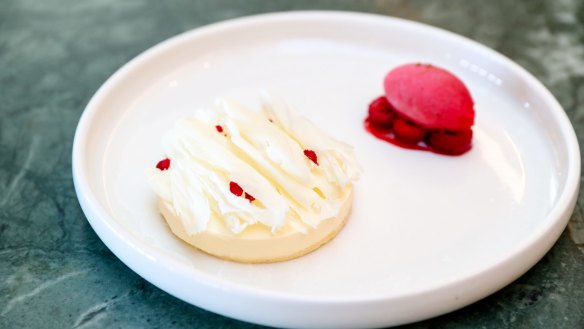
257 244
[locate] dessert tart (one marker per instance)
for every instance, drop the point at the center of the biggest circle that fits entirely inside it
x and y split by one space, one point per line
254 186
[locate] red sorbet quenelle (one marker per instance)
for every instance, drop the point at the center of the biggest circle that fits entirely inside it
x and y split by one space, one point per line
424 108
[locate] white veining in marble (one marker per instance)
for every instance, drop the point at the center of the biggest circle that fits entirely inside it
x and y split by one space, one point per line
37 290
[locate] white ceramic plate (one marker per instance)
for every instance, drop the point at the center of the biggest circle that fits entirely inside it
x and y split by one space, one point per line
428 234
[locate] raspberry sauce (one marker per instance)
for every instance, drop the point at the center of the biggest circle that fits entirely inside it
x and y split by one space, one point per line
387 135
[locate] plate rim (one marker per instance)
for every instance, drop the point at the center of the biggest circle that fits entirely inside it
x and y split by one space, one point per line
540 239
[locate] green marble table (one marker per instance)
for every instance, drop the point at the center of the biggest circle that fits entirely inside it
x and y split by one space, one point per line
54 54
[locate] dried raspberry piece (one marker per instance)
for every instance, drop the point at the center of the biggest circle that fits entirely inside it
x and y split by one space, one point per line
407 131
235 188
219 128
380 112
310 154
238 191
163 164
249 197
450 142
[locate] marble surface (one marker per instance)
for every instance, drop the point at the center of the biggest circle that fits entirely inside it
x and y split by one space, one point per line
54 54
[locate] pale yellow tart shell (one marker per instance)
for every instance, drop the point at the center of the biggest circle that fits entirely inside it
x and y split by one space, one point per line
257 244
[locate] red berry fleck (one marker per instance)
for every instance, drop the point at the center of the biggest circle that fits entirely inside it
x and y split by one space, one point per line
163 164
235 188
219 128
249 197
380 113
238 191
310 154
450 142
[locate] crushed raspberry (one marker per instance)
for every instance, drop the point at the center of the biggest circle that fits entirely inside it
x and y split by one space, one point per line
219 128
235 188
163 164
310 154
407 131
249 197
407 134
380 112
451 142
